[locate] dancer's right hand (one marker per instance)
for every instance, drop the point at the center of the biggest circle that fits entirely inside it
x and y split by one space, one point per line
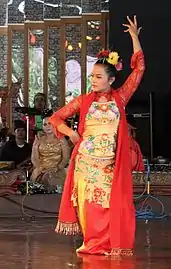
75 137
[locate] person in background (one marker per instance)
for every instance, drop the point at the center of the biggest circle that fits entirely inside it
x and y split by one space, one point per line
50 155
136 155
35 121
17 150
15 159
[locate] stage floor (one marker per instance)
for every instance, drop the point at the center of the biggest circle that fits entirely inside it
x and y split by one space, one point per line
34 245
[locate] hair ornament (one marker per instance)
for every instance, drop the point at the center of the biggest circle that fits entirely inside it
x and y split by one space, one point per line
111 57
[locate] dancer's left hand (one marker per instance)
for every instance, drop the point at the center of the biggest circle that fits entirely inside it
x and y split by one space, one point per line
132 27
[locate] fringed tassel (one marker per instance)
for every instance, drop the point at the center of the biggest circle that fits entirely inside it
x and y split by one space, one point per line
67 228
122 252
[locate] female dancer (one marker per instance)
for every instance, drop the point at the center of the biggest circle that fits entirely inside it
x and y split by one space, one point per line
97 194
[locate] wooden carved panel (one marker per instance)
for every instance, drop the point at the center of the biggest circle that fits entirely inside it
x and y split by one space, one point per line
6 93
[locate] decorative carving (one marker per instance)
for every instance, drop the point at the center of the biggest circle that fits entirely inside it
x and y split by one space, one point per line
6 93
156 178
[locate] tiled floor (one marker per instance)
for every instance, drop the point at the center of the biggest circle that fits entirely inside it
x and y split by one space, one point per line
28 244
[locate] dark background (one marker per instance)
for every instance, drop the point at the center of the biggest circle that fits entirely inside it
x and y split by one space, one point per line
155 18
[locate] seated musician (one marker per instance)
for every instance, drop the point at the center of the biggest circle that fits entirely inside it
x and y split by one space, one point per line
136 155
17 150
49 155
35 121
15 158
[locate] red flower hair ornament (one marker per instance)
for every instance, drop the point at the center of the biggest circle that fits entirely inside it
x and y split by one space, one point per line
111 57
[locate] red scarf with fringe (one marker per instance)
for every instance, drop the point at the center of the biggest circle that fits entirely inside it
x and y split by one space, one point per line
122 212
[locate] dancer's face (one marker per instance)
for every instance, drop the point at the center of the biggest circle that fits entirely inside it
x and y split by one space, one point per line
100 80
47 127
